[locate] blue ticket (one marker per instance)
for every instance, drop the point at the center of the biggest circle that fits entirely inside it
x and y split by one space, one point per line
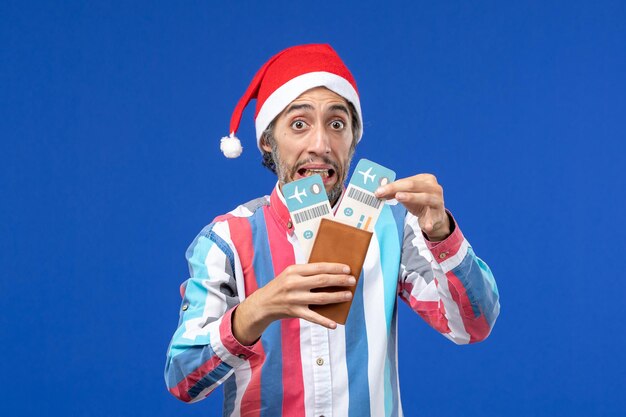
359 207
307 203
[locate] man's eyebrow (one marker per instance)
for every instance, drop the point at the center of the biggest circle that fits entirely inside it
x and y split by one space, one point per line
295 107
340 107
305 106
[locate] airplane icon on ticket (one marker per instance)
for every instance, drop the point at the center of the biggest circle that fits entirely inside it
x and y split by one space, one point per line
367 175
298 195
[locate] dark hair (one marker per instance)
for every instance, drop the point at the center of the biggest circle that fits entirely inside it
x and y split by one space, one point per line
268 136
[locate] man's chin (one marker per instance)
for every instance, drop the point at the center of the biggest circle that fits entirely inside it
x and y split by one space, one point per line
334 193
330 186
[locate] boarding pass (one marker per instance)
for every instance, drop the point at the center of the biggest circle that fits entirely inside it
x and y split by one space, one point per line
359 207
307 203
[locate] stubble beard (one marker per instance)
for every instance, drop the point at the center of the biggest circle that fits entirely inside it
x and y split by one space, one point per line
286 173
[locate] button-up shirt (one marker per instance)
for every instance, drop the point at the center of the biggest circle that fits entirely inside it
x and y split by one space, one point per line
298 368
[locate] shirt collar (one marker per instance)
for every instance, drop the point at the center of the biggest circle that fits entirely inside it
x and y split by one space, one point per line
279 209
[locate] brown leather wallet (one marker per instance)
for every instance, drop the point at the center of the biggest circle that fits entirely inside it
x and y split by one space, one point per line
337 242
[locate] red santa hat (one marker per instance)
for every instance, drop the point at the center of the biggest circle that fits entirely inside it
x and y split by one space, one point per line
284 78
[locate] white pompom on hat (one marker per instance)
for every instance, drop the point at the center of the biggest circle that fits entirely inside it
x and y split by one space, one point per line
284 78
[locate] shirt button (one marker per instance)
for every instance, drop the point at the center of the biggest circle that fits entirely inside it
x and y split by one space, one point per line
289 224
320 362
442 255
242 356
185 307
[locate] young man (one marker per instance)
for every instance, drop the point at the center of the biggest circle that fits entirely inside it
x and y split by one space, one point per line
245 319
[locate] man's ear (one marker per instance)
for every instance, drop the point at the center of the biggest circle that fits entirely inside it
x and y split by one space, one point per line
264 145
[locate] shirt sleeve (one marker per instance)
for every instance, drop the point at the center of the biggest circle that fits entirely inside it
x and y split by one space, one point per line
203 352
447 284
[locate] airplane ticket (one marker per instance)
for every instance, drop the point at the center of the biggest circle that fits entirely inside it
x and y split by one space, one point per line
359 207
307 203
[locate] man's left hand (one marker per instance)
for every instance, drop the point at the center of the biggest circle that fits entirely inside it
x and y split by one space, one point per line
423 197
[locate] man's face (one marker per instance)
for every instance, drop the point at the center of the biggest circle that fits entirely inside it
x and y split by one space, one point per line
313 135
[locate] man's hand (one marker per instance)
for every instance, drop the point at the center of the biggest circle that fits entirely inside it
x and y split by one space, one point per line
289 295
423 197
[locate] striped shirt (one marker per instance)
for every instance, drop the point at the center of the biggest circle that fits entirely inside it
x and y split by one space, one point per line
302 369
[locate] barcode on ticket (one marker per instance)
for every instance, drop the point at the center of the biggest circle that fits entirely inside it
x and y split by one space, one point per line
364 198
310 214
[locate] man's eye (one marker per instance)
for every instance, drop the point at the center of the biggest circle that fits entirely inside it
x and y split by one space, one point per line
298 124
337 124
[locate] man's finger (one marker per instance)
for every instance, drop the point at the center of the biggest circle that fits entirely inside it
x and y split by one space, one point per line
412 184
426 222
310 315
321 298
419 199
320 268
329 280
311 282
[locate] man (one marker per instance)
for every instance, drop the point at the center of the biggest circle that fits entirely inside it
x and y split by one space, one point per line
245 319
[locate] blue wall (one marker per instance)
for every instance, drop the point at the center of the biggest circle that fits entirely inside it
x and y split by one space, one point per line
110 120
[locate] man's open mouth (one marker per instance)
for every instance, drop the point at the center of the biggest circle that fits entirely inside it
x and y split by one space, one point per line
323 172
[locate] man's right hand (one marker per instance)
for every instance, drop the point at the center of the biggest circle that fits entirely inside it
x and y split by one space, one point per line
288 296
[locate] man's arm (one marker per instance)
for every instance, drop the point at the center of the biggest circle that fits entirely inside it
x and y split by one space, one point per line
203 352
441 278
448 285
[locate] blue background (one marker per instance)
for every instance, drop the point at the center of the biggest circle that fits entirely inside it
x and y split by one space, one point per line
110 120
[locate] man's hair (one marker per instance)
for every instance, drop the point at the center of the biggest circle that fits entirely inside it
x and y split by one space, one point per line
268 136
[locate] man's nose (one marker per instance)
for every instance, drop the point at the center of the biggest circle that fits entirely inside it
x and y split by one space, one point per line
319 142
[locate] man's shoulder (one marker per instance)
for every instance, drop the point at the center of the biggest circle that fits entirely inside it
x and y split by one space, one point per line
219 231
244 210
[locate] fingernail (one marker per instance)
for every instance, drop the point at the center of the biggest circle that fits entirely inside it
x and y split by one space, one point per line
379 190
346 269
351 281
347 295
400 196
